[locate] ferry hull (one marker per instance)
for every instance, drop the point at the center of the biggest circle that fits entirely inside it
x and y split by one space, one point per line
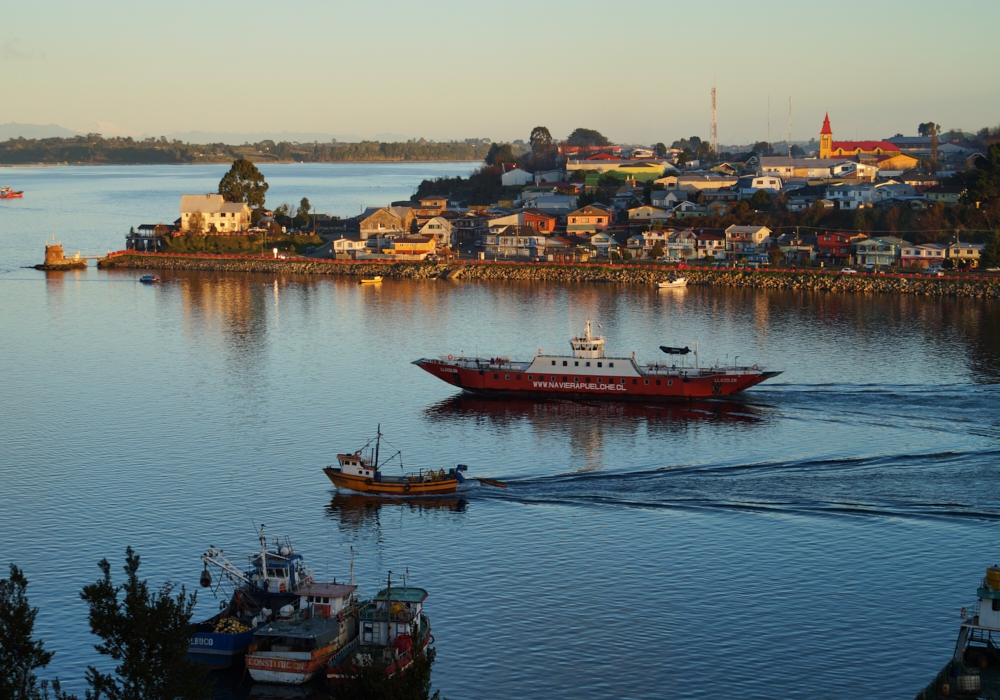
359 484
499 381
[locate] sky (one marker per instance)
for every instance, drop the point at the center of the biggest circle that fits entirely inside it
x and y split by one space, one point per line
639 72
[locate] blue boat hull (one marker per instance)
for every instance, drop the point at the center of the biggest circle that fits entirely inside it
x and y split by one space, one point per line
218 651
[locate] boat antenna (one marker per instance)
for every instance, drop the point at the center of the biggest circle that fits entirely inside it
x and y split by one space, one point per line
378 439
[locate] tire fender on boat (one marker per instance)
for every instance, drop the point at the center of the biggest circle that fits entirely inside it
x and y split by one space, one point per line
451 357
406 486
756 367
368 482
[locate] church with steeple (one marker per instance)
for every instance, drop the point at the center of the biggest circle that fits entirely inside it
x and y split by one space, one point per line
828 148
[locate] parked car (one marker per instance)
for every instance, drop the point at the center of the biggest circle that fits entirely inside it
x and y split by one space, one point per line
935 273
848 271
870 267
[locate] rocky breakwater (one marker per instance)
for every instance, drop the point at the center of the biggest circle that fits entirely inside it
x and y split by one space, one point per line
628 274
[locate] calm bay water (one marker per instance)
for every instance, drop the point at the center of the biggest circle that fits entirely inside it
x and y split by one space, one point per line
815 539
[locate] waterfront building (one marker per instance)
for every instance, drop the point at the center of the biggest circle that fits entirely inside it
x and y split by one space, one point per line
711 244
348 247
836 248
215 213
922 255
440 229
386 221
515 177
880 250
411 247
965 254
513 241
589 219
747 242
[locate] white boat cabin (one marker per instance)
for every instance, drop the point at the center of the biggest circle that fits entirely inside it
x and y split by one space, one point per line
356 465
390 614
325 599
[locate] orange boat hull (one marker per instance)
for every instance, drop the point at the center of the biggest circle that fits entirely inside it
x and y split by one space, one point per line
369 486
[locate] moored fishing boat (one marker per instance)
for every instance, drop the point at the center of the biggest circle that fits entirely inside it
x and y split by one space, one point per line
589 373
149 279
393 630
361 472
371 280
271 582
321 630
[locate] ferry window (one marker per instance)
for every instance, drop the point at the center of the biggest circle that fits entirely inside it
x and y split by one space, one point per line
529 377
588 364
600 380
506 376
657 382
670 382
519 377
621 381
496 376
576 379
611 364
576 364
553 362
600 364
564 378
587 380
636 381
553 378
564 363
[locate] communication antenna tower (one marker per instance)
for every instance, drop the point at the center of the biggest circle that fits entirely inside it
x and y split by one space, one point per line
713 131
789 126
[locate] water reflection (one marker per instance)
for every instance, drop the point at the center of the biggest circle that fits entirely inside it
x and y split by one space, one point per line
358 513
237 685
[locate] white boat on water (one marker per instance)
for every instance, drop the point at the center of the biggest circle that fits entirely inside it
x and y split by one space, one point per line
673 283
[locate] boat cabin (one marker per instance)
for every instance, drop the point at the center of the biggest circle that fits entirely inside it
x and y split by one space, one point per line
325 599
390 614
279 572
587 346
356 465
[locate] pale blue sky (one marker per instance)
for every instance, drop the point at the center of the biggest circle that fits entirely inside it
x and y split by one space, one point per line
638 71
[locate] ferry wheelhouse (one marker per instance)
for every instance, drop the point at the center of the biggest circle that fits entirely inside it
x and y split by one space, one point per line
589 373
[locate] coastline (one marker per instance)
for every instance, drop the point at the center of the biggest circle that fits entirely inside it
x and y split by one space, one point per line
820 280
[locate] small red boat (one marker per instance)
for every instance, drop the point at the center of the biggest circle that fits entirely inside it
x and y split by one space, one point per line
8 193
588 373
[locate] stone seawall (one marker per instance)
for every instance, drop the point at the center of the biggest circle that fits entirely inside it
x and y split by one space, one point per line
563 273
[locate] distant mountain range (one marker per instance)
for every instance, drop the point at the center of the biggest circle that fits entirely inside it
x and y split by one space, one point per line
13 130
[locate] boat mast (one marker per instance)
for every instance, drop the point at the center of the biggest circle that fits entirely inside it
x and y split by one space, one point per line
263 557
378 439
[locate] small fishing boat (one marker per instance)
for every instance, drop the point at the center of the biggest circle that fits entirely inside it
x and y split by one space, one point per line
149 279
306 638
275 576
8 193
371 280
393 631
672 283
361 472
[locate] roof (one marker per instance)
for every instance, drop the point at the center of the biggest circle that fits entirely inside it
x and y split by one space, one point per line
208 203
332 590
590 210
603 156
945 189
403 595
414 239
319 628
863 145
746 229
826 125
539 212
779 161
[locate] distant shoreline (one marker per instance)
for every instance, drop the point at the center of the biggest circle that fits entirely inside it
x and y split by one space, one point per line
229 162
976 286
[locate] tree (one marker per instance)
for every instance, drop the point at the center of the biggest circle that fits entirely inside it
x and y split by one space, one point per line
657 251
760 200
500 153
991 253
304 208
147 633
928 129
541 140
609 184
797 151
196 222
587 137
20 654
244 183
660 149
762 148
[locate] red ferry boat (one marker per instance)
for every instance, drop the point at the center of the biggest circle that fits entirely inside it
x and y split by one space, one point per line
8 193
588 373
